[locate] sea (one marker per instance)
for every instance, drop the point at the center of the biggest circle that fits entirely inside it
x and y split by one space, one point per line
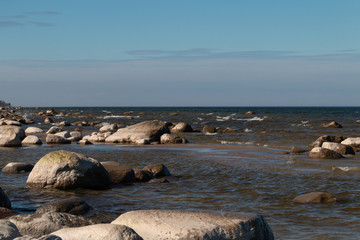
244 170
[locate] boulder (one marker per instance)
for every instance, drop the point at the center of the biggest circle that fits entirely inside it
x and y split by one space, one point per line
168 138
74 205
33 130
119 173
327 138
184 224
8 230
84 142
353 142
330 145
98 232
332 124
295 150
48 121
324 153
37 225
182 127
142 175
68 170
108 128
157 170
208 129
97 137
17 167
31 140
64 134
345 150
76 135
141 133
55 129
63 124
11 136
12 122
5 213
4 200
55 139
315 197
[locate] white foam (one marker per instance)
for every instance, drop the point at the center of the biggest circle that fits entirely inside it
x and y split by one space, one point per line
346 169
247 130
234 142
210 134
120 116
252 119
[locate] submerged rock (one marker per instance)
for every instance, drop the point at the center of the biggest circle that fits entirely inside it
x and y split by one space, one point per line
119 173
157 170
324 153
183 224
332 124
315 197
37 225
68 170
142 175
295 150
98 232
4 199
208 129
74 205
17 167
141 133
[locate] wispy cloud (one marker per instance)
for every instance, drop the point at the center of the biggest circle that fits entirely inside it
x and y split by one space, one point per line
26 19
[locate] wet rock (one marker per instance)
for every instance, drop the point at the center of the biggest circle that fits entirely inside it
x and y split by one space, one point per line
55 129
84 142
182 127
97 137
168 138
295 150
12 123
142 175
249 113
119 173
353 142
50 112
315 197
17 167
55 139
64 134
229 130
63 124
4 200
75 135
48 121
345 150
324 153
157 170
183 224
74 205
108 128
326 138
208 129
98 232
68 170
332 124
141 133
11 136
5 213
31 140
330 145
37 225
8 230
33 130
159 180
173 114
29 121
81 123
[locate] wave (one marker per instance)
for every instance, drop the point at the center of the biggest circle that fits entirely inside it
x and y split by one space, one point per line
345 169
222 119
210 134
236 142
251 119
119 116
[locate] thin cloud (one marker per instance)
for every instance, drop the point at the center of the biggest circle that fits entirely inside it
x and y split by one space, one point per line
41 24
42 13
21 19
190 52
9 24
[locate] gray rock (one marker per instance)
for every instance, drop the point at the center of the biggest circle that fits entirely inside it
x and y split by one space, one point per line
353 142
55 139
55 129
182 127
141 133
12 122
63 124
8 230
68 170
17 167
108 128
84 142
74 205
48 121
157 170
119 173
37 225
31 140
324 153
345 150
98 232
4 199
33 130
11 136
64 134
168 138
182 224
76 135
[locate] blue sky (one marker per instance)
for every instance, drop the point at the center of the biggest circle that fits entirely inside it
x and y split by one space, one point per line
180 53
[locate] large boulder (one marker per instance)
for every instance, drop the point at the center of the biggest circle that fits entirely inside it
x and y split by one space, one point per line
8 230
98 232
327 138
37 225
315 197
324 153
33 130
11 136
74 205
182 127
17 167
55 139
119 173
31 140
4 200
182 224
353 142
68 170
141 133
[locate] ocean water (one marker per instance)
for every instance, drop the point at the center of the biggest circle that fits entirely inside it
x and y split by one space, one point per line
240 171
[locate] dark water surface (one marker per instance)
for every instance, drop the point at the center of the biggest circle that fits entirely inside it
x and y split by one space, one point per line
241 171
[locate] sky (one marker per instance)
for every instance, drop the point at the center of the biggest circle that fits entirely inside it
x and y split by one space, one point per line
180 52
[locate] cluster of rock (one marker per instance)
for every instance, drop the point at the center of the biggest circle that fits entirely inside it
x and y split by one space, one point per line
63 219
333 147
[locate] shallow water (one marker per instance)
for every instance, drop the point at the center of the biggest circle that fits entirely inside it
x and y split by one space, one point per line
242 171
